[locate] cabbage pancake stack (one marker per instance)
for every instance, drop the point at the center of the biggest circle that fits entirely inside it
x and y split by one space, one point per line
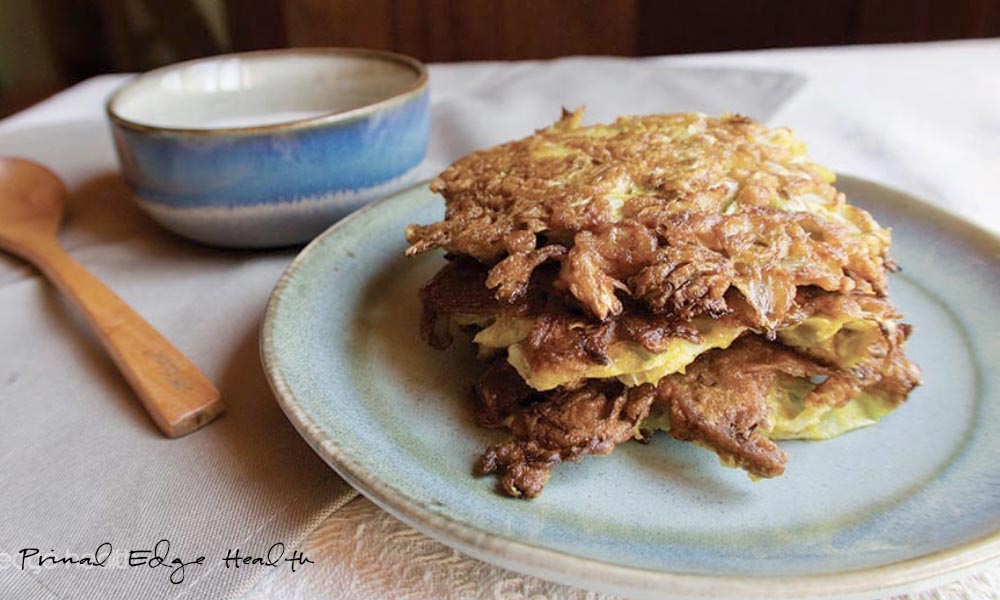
680 272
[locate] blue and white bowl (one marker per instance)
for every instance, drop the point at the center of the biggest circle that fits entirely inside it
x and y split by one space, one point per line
269 148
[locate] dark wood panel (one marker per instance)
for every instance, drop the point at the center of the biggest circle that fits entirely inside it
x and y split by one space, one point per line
919 20
255 25
451 30
670 27
362 23
714 25
181 25
546 29
448 31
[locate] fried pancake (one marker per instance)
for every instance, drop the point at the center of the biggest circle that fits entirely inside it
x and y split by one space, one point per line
679 272
672 210
734 402
551 345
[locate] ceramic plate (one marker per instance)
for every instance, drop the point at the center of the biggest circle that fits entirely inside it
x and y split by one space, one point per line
911 502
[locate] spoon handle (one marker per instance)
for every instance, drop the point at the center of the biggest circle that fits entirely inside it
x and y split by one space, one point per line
177 396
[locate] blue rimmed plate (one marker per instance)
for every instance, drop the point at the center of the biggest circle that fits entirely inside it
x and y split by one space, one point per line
909 503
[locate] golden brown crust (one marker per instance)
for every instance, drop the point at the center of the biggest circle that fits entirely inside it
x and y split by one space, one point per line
721 402
568 342
499 394
460 288
560 338
568 426
880 366
670 209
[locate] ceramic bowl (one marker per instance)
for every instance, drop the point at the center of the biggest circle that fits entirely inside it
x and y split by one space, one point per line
269 148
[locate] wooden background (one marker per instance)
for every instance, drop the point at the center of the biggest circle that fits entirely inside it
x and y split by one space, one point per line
87 37
451 30
97 36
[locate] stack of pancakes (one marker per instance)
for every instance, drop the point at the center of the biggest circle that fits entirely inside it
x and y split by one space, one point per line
680 272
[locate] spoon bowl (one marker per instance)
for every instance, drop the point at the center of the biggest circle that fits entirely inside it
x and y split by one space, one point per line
31 202
177 396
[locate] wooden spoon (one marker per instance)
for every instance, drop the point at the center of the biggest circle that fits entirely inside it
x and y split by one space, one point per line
175 393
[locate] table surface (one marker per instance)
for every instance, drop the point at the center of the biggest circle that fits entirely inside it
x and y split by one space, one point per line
924 118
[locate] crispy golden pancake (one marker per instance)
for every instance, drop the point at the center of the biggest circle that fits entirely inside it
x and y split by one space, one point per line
735 402
550 345
671 209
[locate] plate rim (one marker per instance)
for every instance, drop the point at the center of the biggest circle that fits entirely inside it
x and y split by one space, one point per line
562 567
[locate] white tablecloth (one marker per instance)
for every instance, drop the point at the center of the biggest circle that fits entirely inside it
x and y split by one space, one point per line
924 118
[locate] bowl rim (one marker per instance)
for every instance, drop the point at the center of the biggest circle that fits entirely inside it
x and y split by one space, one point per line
418 86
